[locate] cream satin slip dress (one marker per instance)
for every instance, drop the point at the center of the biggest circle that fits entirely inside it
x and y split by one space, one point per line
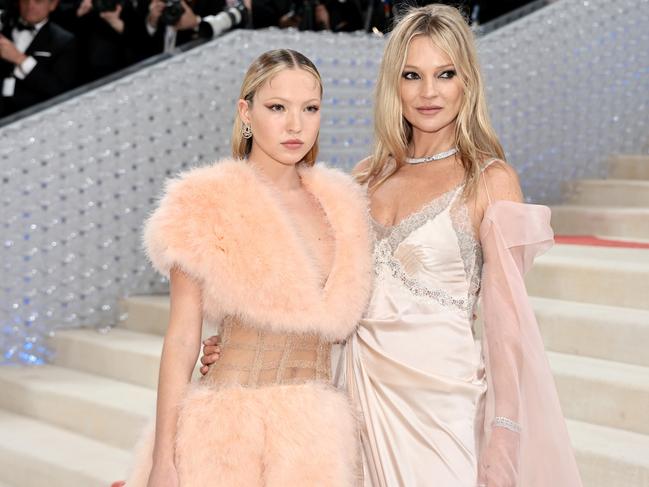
414 367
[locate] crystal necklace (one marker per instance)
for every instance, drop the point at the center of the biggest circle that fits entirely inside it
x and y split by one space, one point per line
434 157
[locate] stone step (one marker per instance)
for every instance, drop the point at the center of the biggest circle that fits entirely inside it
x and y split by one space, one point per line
609 457
601 221
607 192
602 392
600 275
102 409
33 454
150 314
146 314
36 454
623 166
119 354
584 329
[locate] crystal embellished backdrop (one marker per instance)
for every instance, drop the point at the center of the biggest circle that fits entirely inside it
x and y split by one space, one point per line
566 86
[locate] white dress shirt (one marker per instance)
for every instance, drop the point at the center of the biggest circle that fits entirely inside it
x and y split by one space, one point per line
21 38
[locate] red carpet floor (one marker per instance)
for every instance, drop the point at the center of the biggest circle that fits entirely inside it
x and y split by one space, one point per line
598 242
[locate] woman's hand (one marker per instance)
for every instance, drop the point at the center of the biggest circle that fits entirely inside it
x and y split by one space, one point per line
498 465
211 353
163 475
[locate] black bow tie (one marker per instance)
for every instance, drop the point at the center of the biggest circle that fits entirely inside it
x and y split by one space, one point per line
20 25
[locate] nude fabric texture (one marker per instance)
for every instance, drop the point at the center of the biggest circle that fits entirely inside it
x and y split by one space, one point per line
225 226
520 382
416 370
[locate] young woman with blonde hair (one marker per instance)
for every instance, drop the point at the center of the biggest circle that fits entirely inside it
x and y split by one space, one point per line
277 252
440 407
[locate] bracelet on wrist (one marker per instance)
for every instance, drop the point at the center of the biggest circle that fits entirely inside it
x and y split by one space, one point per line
502 422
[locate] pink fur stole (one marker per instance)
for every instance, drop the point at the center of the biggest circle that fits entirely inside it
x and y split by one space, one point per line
225 226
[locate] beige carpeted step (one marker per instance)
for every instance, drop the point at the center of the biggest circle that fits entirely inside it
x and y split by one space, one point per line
600 275
103 409
120 354
602 392
607 192
609 457
36 454
624 166
584 329
146 314
605 220
150 314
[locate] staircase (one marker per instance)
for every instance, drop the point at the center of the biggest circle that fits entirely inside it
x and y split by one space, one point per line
72 423
592 304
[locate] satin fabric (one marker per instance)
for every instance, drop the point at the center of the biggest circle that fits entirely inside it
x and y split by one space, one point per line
414 367
426 389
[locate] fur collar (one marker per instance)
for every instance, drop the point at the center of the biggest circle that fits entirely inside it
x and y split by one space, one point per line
225 226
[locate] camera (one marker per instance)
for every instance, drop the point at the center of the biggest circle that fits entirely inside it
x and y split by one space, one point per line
172 12
230 18
105 5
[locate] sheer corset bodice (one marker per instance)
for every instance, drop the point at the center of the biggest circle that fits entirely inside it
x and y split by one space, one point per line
251 357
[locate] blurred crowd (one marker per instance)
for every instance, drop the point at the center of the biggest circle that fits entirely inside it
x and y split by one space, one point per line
50 46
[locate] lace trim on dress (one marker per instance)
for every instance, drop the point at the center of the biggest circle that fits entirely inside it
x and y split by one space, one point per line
388 240
398 233
384 258
470 250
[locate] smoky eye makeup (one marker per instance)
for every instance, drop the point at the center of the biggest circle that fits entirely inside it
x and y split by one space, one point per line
448 74
410 75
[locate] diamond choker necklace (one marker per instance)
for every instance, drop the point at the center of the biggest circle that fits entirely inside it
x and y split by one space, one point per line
434 157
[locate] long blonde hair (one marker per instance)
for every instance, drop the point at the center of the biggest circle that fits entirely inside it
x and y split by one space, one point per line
262 70
475 137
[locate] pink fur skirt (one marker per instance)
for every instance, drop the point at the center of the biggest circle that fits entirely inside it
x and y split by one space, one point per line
275 436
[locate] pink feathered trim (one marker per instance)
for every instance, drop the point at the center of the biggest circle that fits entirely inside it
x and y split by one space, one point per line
226 227
301 435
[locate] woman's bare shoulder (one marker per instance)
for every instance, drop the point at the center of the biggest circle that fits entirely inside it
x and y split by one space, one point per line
362 166
501 181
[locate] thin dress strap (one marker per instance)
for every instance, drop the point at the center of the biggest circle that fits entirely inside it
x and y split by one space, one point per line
484 178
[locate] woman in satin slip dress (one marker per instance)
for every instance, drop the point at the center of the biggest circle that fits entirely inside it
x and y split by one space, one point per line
441 407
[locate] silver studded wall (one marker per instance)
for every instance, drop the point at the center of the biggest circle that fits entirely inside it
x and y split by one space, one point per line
566 86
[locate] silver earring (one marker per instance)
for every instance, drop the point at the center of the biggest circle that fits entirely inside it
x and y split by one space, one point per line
246 131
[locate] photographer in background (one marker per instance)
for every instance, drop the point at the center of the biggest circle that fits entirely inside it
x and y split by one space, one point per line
171 23
38 59
333 15
109 32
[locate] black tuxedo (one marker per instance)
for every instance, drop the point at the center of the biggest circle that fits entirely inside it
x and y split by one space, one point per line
102 50
55 51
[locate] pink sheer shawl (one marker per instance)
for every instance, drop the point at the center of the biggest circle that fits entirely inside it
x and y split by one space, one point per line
520 383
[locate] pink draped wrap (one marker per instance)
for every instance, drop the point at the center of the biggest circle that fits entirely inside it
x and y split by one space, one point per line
520 383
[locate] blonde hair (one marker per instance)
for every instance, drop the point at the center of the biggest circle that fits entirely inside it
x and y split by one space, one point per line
475 137
261 71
